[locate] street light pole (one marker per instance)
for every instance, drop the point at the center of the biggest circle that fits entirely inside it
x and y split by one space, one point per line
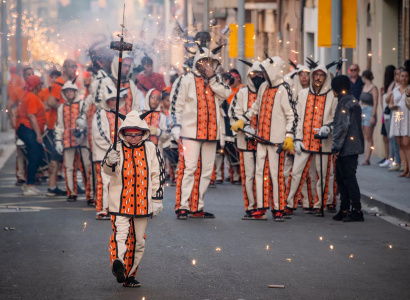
4 69
185 14
336 49
241 36
206 15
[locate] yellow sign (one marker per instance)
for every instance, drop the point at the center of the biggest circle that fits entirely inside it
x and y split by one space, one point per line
249 40
324 23
349 23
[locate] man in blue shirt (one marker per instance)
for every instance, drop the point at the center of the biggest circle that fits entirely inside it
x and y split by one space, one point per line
356 83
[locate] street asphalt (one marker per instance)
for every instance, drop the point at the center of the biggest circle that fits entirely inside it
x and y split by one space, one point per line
57 250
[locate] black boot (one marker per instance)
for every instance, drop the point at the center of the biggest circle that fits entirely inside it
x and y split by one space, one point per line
354 216
340 215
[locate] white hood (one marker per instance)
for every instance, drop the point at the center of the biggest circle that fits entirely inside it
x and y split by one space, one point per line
70 85
115 63
207 54
273 68
147 107
110 92
133 120
326 87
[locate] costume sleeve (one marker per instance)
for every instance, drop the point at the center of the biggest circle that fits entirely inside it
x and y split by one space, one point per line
254 110
235 111
164 134
329 122
118 167
157 175
340 127
135 97
59 128
220 89
288 110
100 133
299 109
177 97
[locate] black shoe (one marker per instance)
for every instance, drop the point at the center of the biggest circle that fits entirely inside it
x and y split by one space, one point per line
80 191
60 178
308 211
354 216
103 216
219 182
118 269
340 215
331 208
131 282
20 182
56 192
238 182
318 213
248 215
182 215
212 184
91 202
72 198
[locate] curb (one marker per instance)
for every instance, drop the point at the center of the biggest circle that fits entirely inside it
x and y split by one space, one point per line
386 207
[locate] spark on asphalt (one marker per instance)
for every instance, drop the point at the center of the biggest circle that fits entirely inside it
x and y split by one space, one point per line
194 262
85 226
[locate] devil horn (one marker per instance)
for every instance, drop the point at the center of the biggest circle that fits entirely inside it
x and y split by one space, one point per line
75 78
217 49
293 64
328 66
246 62
201 50
311 63
109 90
145 114
267 57
121 116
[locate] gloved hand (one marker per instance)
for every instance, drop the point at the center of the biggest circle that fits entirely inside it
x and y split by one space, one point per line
153 130
81 123
288 144
249 129
59 147
240 124
298 145
175 132
324 130
156 207
113 157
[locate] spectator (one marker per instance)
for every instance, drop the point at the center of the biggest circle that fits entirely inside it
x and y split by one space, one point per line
356 83
148 79
16 91
396 165
400 127
347 143
55 158
368 102
31 121
386 90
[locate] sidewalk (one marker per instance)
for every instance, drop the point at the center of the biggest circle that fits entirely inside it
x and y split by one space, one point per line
384 190
7 146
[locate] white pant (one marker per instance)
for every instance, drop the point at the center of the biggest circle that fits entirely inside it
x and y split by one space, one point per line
72 157
247 166
131 231
301 167
195 156
270 164
219 159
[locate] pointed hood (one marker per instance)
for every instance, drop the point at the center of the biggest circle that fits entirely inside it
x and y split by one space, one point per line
70 85
293 80
326 87
273 68
133 120
110 92
205 53
115 63
255 68
147 106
